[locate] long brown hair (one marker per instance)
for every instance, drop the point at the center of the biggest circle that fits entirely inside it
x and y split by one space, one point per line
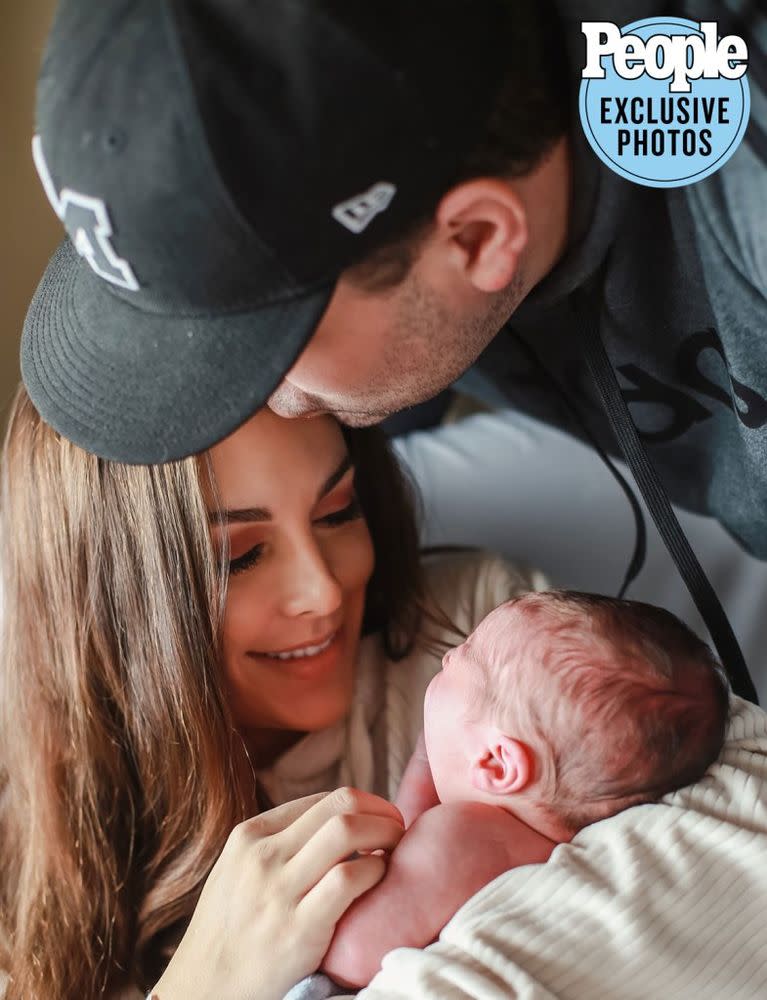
121 771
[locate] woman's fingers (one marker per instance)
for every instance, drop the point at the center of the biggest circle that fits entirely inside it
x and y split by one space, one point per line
279 818
342 835
327 902
343 800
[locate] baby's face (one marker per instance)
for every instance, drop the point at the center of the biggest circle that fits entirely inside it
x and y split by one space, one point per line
454 733
447 731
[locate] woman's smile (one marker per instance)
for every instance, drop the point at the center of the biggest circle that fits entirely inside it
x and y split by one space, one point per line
314 662
299 652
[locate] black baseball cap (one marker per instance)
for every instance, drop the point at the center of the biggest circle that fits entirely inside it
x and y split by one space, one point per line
217 164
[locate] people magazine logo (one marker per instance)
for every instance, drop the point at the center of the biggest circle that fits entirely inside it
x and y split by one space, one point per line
664 101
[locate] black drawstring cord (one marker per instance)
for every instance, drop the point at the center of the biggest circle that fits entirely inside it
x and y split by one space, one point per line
640 535
658 504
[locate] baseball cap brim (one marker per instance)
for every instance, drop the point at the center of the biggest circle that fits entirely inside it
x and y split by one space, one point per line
141 387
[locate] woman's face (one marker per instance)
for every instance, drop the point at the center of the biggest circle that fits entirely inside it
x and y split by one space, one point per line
300 560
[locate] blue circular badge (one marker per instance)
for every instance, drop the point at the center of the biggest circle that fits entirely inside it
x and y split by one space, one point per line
673 103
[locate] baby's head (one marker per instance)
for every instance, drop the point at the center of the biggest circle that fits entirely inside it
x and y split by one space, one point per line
567 708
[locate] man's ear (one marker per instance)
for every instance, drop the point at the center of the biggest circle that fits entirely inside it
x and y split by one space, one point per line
504 767
485 225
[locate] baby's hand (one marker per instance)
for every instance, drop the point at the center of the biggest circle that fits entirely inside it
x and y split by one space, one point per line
416 792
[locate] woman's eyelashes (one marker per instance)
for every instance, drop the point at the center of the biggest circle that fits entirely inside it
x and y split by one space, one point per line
246 560
348 513
351 512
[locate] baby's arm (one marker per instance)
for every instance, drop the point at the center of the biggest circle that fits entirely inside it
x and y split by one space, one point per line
416 792
449 853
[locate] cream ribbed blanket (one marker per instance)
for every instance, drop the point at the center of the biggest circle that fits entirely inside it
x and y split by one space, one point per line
662 901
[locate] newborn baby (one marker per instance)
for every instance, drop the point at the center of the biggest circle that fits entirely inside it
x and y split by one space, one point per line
559 710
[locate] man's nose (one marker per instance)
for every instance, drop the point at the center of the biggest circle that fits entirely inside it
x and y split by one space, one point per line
290 402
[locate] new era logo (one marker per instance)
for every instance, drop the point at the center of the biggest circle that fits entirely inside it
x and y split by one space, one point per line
358 212
87 222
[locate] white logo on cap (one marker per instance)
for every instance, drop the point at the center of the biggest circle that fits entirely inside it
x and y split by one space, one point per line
356 213
88 220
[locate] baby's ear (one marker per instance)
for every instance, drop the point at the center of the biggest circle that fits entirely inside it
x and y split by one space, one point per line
504 767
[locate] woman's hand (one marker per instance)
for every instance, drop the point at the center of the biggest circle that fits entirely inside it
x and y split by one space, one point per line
270 905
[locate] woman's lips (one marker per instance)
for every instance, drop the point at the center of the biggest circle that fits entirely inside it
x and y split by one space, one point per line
300 652
306 661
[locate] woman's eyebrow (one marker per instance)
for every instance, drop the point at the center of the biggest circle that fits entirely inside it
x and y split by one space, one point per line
244 515
241 515
335 477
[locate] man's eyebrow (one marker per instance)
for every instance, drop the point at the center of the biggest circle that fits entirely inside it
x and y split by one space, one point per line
244 515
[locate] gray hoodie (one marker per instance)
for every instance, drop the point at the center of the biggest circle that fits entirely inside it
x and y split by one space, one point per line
677 280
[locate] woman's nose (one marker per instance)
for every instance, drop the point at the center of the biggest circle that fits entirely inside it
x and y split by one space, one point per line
310 586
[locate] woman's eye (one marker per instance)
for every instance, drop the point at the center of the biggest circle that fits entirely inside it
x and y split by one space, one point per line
351 512
246 560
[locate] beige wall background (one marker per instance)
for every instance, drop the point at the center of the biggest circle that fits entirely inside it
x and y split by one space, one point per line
30 229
